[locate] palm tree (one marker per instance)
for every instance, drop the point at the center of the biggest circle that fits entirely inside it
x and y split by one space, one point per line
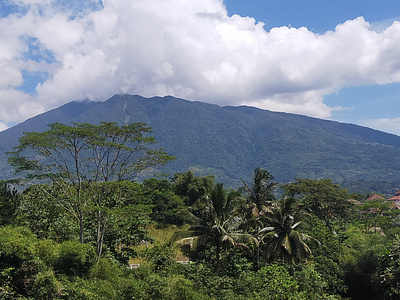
259 202
216 225
282 238
260 192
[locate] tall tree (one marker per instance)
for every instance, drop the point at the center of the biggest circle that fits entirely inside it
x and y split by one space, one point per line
191 187
259 202
261 191
121 212
282 236
73 155
328 201
216 225
169 208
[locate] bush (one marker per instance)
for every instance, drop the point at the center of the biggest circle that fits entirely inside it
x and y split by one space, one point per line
105 269
74 258
17 264
271 282
45 286
46 251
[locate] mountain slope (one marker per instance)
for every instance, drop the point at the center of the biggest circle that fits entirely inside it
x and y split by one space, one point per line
230 142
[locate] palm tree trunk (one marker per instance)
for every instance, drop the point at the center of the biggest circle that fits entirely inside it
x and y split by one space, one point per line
218 255
257 257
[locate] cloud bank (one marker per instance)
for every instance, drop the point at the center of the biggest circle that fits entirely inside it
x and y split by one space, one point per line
192 49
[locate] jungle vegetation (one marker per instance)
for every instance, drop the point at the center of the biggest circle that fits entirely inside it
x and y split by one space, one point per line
83 219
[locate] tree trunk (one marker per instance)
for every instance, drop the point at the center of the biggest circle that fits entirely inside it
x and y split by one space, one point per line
218 254
257 257
101 230
98 234
81 229
99 246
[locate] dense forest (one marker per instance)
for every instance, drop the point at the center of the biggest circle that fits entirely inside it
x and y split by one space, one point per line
229 141
77 224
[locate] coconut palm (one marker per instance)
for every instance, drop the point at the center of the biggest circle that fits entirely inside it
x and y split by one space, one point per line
260 191
281 237
259 202
216 225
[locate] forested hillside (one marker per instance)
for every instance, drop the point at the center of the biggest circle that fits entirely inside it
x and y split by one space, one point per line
228 141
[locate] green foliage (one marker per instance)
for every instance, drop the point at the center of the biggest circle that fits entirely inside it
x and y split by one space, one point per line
160 257
283 238
328 201
15 243
192 188
327 254
16 260
378 215
216 225
270 282
8 203
148 285
106 269
74 258
45 286
387 277
46 251
261 191
169 208
89 152
41 209
349 261
360 261
234 264
117 216
259 202
73 156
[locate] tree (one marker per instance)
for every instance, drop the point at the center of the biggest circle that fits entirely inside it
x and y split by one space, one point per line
168 208
282 238
41 210
387 278
260 191
121 214
217 224
328 201
8 202
378 216
73 155
259 202
191 187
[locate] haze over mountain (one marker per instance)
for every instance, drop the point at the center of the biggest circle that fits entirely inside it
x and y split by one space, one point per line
229 142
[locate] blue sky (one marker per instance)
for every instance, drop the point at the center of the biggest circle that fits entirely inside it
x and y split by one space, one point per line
318 16
332 59
361 104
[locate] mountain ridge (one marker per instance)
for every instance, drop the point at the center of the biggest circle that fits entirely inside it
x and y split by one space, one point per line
229 142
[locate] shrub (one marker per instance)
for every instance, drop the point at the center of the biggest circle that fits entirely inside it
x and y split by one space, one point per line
74 258
45 286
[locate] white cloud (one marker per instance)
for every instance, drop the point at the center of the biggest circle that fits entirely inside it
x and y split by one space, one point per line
187 48
391 125
17 106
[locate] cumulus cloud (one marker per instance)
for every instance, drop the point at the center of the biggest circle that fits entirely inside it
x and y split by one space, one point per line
391 125
186 48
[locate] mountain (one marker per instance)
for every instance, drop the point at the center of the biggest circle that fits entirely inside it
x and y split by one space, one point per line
230 142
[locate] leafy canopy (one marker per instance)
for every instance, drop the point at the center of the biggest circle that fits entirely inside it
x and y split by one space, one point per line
84 152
